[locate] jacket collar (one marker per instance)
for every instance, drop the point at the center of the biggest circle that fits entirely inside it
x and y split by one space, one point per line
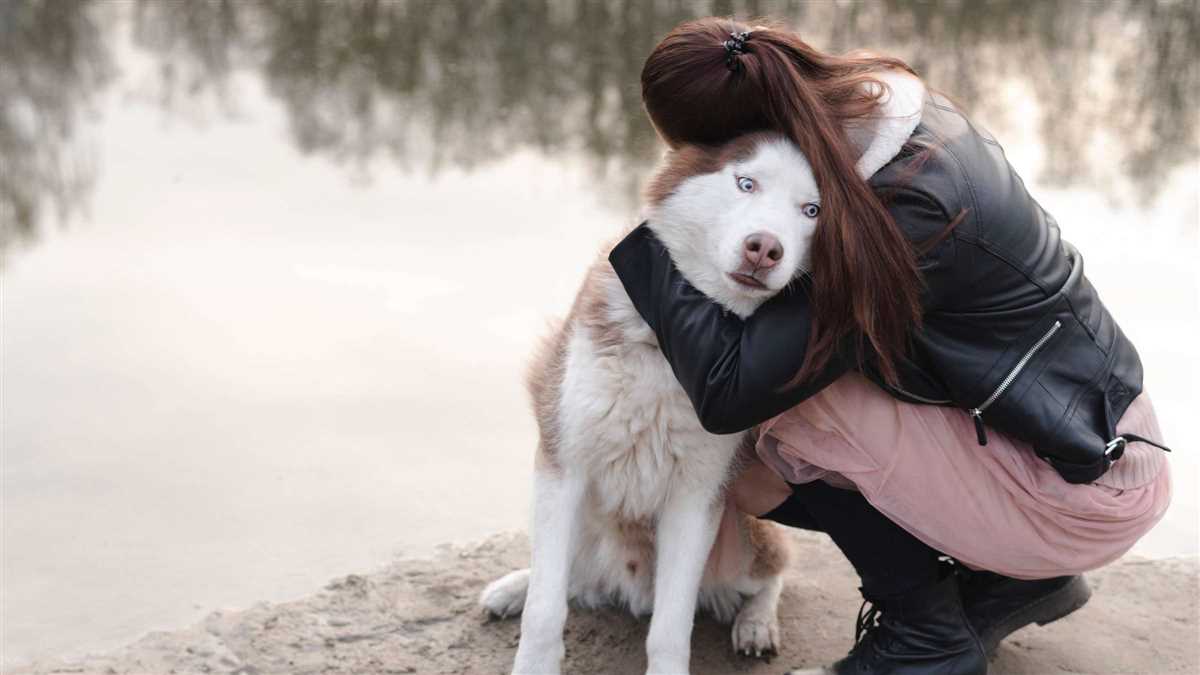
881 136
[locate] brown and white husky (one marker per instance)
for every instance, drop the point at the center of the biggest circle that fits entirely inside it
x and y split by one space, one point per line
630 492
630 499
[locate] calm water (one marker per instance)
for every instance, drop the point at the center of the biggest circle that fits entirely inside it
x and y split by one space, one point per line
271 270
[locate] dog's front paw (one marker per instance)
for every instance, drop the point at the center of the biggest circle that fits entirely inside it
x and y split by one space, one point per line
539 660
505 596
667 669
756 634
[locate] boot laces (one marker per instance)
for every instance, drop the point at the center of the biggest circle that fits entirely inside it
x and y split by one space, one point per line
868 620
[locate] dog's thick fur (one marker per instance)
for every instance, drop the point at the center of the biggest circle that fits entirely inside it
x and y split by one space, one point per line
630 490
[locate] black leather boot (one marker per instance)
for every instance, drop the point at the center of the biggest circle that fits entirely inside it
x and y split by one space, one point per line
921 632
998 605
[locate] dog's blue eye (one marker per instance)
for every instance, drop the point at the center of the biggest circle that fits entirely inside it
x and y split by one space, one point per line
745 184
810 210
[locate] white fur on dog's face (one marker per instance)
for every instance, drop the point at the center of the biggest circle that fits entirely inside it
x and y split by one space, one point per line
706 218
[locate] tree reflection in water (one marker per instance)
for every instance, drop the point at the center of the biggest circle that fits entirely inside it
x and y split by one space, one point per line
436 83
53 62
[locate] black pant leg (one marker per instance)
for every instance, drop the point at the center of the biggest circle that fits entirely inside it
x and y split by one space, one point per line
793 513
887 558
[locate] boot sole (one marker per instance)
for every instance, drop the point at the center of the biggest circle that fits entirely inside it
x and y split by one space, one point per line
1044 611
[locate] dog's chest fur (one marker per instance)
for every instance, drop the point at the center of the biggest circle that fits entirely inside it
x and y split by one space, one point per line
620 415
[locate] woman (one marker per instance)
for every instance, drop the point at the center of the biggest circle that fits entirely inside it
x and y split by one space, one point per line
945 383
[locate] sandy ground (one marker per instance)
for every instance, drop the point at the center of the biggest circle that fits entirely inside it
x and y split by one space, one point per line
420 616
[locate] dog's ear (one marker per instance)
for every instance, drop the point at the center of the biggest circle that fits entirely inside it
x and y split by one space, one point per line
678 165
899 114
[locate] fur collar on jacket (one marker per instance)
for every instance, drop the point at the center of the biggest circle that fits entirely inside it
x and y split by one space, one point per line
881 137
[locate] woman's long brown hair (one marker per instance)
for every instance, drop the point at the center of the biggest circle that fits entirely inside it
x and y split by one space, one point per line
864 272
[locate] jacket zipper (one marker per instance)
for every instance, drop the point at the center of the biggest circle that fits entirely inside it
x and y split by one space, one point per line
977 412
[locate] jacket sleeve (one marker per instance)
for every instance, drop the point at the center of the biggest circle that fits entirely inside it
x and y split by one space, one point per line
735 372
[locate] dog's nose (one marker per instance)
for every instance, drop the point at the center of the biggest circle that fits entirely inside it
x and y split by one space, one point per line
762 250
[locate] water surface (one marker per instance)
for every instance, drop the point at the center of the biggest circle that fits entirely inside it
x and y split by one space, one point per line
271 270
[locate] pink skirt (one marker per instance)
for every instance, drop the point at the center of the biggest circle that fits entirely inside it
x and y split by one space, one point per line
996 507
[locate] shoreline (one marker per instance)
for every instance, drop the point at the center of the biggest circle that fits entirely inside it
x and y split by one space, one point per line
421 616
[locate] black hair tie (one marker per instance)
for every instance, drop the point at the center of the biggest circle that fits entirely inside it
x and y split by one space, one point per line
735 45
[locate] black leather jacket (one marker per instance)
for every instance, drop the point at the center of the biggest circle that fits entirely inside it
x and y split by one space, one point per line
1013 333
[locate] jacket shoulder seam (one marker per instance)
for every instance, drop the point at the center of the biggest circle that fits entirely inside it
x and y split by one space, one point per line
988 248
962 171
